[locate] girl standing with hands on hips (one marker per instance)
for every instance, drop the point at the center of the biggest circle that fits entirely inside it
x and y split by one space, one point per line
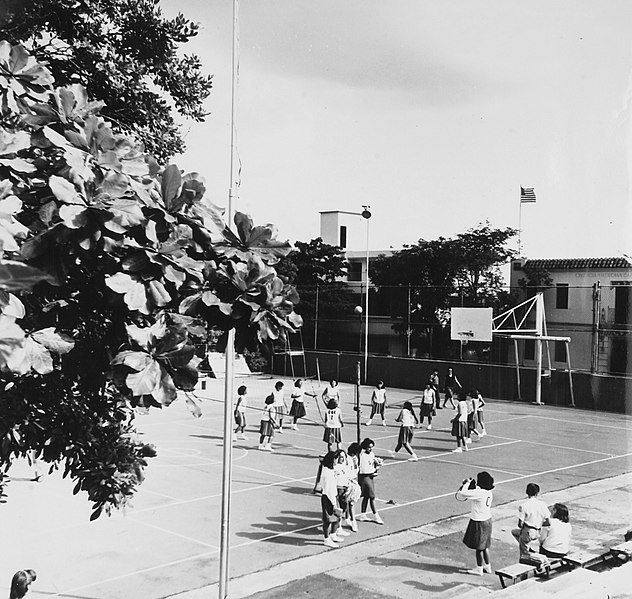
478 535
378 403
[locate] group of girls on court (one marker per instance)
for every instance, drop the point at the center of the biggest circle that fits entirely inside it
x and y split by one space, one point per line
345 478
468 417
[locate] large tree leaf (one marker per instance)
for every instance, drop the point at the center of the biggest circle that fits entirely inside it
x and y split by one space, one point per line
58 343
125 214
11 343
135 360
133 291
145 381
65 191
170 184
17 276
165 392
38 356
10 143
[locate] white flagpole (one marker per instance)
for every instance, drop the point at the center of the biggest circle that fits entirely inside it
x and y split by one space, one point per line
229 374
520 225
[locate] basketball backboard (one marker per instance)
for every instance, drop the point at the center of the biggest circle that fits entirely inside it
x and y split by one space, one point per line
471 324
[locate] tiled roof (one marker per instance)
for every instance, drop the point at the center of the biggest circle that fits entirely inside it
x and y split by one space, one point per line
578 263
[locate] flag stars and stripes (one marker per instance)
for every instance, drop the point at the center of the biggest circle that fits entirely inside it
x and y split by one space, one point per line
527 195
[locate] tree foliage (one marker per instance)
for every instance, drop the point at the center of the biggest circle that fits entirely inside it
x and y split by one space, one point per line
112 268
316 265
123 52
446 272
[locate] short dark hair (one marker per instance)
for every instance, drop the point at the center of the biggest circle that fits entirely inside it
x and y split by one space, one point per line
485 480
533 489
560 511
278 385
270 399
353 449
366 442
329 459
241 390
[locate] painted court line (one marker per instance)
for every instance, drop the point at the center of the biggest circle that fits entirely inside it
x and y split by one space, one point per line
171 532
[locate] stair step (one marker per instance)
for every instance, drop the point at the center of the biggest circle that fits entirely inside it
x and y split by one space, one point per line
465 591
617 580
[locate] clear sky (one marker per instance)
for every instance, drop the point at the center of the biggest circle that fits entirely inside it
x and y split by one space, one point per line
433 112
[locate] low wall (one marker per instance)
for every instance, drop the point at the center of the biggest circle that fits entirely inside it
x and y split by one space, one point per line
593 392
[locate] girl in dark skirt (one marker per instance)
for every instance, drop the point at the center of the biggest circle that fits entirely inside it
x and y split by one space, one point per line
298 405
268 423
408 421
333 424
478 535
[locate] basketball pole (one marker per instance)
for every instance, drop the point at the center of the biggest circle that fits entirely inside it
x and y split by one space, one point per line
230 347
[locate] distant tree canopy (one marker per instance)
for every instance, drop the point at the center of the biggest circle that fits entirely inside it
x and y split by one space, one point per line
446 272
125 53
316 265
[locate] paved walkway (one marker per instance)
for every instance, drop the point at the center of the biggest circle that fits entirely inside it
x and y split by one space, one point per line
430 561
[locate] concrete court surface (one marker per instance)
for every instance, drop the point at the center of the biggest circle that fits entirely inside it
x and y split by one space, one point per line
167 542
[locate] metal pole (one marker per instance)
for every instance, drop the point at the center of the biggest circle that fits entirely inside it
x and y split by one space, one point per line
570 372
316 320
366 307
408 324
357 402
539 317
230 348
517 369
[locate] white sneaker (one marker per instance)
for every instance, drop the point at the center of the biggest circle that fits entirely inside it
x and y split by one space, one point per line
383 422
280 430
262 447
413 458
465 448
457 450
368 423
468 440
329 542
362 518
340 532
378 519
354 526
429 427
336 538
482 433
487 568
294 427
478 571
268 447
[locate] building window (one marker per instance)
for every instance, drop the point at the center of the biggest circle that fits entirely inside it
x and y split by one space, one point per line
529 349
560 351
354 271
343 236
622 304
561 296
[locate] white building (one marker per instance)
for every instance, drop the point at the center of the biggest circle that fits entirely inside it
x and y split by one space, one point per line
590 302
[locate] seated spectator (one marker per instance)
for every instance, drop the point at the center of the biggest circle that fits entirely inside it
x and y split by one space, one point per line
555 539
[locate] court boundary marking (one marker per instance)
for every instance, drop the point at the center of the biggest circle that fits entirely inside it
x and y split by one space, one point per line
317 525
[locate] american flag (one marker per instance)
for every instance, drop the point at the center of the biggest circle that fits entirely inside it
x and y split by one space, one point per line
527 195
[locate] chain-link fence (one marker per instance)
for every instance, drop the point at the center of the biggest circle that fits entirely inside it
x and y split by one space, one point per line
413 322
